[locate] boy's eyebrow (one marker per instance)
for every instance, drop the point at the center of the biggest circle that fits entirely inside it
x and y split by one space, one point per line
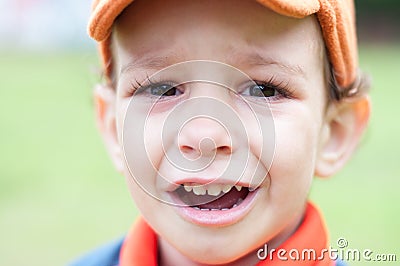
256 59
149 61
157 62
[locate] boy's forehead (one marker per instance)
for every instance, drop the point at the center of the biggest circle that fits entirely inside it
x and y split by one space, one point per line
242 34
336 19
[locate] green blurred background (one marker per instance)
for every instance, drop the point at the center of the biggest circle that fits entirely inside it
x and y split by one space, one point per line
59 193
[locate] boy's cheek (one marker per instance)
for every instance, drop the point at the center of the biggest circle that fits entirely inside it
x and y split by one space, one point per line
121 110
146 201
295 152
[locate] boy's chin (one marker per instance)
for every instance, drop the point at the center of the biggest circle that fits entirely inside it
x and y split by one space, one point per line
212 247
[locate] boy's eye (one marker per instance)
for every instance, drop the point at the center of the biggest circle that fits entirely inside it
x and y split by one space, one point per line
163 90
262 90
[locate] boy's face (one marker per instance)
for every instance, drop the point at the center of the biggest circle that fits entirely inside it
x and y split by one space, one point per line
269 48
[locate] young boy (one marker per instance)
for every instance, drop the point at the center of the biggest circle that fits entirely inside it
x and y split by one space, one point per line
219 114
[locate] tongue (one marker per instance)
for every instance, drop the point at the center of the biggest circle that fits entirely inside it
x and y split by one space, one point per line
225 201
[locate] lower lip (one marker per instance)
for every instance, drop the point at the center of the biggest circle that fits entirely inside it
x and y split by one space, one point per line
216 217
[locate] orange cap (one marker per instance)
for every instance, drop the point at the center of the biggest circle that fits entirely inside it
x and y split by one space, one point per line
336 17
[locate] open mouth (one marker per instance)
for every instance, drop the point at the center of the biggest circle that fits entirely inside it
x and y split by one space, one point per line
212 197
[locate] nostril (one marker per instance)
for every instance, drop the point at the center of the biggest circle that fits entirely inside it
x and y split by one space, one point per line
189 152
224 150
186 149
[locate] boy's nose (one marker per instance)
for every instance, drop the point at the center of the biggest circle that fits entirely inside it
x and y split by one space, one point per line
203 136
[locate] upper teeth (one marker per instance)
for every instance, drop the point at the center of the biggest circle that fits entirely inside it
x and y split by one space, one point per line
210 189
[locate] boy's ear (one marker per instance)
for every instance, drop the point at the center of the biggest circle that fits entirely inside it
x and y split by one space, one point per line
345 122
105 98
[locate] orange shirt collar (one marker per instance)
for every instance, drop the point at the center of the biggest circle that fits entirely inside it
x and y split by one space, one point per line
140 245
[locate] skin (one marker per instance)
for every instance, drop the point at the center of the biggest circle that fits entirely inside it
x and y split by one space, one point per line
311 136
